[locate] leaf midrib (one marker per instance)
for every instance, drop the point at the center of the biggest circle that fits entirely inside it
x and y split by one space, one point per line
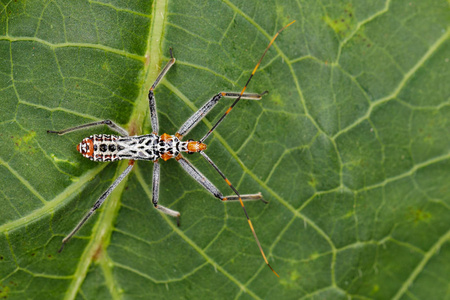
104 227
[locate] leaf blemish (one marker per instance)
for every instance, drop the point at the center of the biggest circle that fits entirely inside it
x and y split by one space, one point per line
343 23
98 253
60 160
4 291
24 144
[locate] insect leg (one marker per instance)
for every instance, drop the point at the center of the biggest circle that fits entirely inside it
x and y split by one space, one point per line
155 194
208 106
151 96
243 207
97 204
245 87
109 123
248 197
200 178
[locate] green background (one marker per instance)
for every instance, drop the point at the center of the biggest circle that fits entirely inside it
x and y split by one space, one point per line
350 148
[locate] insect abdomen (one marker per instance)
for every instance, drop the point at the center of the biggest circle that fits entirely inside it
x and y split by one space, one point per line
141 147
105 147
100 147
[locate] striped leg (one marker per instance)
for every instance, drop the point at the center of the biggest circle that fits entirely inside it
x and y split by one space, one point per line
241 94
208 106
155 194
109 123
151 96
98 203
240 197
200 178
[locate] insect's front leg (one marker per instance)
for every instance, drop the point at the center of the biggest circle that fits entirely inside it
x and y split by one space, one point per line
208 106
113 126
240 199
210 187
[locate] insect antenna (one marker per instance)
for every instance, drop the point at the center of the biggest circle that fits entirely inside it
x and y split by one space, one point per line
243 207
245 87
217 169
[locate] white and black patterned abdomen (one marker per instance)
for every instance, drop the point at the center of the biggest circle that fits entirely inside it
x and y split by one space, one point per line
141 147
100 147
150 147
105 147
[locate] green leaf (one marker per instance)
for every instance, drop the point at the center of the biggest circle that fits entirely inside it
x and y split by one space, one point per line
351 148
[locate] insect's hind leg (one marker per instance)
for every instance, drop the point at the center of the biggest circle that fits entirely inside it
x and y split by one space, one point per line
97 204
109 123
208 106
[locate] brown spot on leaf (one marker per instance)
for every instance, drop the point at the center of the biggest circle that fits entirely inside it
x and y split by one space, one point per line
134 129
98 253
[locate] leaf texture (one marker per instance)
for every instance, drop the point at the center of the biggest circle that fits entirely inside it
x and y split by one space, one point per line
350 147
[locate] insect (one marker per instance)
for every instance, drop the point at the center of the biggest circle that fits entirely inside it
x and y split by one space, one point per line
153 147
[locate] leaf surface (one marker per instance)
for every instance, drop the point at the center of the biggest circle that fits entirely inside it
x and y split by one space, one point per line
350 148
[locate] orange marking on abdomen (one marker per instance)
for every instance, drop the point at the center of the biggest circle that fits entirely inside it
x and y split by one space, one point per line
91 147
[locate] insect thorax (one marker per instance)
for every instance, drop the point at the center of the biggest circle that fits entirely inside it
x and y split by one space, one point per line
105 147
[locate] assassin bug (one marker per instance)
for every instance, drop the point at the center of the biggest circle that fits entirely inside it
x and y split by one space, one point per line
152 147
